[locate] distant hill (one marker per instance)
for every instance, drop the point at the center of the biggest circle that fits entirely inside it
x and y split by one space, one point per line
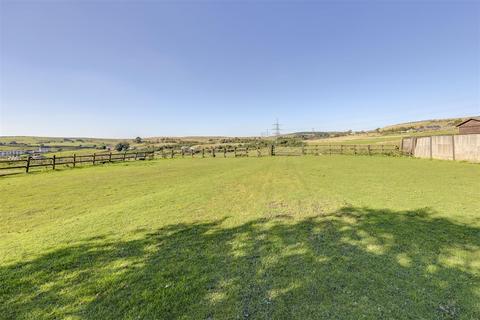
414 126
424 125
391 134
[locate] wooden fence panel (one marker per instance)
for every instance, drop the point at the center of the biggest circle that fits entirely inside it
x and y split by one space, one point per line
6 166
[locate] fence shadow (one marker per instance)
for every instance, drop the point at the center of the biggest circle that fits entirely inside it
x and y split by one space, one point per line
357 262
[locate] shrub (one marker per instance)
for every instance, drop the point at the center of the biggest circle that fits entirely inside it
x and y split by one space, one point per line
121 146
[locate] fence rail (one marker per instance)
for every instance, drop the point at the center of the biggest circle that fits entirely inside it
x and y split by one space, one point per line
73 160
9 166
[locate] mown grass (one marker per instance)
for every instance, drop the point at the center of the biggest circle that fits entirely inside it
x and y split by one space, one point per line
333 237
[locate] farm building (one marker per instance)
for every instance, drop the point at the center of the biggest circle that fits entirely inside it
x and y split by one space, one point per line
12 153
471 125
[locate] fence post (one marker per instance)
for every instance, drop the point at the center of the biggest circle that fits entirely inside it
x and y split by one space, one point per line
27 167
53 162
74 160
213 152
341 149
453 147
124 155
330 149
369 151
183 152
354 149
246 150
203 152
235 151
224 152
93 161
414 145
171 154
431 153
258 152
272 150
110 157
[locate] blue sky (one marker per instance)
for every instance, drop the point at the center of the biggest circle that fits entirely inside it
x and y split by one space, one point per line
124 69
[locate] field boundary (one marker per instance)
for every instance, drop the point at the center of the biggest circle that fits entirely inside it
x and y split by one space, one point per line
73 160
464 147
25 165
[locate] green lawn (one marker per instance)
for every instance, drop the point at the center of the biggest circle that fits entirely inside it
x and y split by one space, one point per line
330 237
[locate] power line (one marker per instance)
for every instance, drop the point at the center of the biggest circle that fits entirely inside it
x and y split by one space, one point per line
276 127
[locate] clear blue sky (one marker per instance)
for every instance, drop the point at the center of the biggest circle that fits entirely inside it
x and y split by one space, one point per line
122 69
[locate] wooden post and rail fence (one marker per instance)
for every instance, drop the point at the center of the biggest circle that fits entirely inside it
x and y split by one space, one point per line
53 162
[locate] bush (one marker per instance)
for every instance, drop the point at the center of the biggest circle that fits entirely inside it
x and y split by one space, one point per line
121 146
138 140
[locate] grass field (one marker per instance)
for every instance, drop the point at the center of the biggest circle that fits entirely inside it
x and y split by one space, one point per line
379 138
333 237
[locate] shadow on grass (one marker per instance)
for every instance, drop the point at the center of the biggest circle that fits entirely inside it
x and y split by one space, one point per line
356 263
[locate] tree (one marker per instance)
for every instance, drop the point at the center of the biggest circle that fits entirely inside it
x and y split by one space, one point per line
138 140
122 146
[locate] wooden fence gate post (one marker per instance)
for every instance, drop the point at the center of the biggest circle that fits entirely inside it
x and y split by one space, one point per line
224 152
27 167
53 162
74 160
235 151
93 161
203 152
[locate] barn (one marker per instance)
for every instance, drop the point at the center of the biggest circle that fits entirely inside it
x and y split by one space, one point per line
471 125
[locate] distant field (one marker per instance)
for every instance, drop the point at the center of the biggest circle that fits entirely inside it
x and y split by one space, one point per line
448 124
48 141
262 238
77 152
376 138
63 146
